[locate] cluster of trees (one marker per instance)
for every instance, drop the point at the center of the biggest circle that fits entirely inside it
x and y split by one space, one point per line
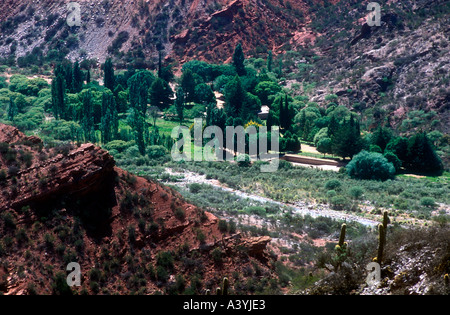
121 109
245 90
389 155
98 109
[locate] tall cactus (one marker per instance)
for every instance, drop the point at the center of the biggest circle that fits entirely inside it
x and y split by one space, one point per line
225 286
342 236
381 242
386 221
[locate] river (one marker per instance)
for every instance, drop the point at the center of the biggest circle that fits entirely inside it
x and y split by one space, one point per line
300 207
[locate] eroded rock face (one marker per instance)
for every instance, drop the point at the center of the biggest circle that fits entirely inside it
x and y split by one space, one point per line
82 170
89 207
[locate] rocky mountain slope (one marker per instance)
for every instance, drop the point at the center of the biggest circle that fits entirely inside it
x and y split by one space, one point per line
397 72
204 29
71 204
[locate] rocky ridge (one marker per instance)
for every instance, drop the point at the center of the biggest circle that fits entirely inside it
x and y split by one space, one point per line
72 204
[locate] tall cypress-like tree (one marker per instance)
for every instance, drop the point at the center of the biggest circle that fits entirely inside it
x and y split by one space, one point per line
421 155
234 96
87 121
270 61
139 85
137 122
12 109
188 83
346 141
109 77
285 114
238 60
88 76
59 94
109 122
179 104
67 72
77 78
381 137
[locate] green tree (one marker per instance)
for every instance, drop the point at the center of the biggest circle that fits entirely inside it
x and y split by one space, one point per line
179 104
370 165
139 85
381 137
347 140
238 60
204 94
109 121
12 109
160 94
324 146
422 156
77 78
399 146
265 89
88 76
137 122
60 286
234 97
59 94
109 77
391 157
270 61
188 83
286 114
87 121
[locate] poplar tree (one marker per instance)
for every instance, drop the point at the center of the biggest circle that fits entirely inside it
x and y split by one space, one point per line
139 85
179 104
12 109
87 121
188 83
238 60
58 90
77 78
109 77
270 61
109 121
234 96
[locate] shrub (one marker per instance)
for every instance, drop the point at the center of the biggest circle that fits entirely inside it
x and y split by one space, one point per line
156 151
217 256
223 226
339 202
331 193
332 184
3 177
370 165
356 192
428 202
195 188
180 214
60 286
